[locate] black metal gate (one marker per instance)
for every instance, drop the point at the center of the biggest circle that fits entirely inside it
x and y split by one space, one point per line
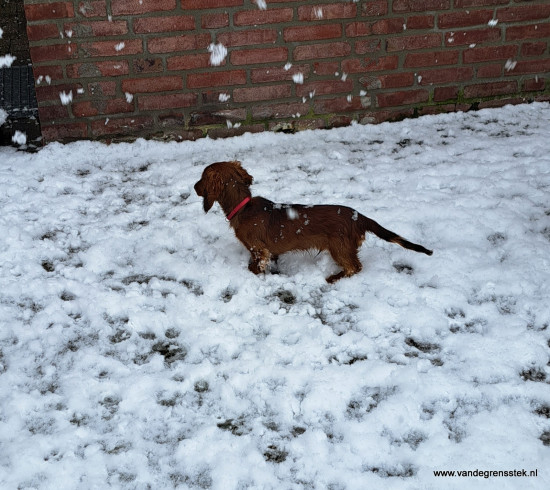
17 89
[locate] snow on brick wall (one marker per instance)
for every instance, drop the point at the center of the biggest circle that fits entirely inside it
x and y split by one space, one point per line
184 69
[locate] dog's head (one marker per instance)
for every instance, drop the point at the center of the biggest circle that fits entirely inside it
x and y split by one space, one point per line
217 177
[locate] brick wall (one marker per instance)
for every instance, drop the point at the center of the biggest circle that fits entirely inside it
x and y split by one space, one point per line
143 67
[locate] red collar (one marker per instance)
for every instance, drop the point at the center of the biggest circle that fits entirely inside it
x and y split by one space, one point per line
239 206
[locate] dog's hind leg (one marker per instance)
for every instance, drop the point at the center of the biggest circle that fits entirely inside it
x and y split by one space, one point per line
347 259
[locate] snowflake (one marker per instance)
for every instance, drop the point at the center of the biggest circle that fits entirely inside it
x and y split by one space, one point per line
218 52
66 98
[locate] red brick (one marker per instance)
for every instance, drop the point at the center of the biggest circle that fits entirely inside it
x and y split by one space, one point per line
100 28
490 89
221 116
326 67
338 121
316 51
305 124
493 103
55 72
325 87
421 22
278 111
226 132
397 80
98 69
93 8
533 49
370 82
45 11
248 37
278 74
493 70
37 32
534 31
338 104
368 46
375 8
475 36
209 4
478 3
356 29
188 42
212 96
97 107
262 55
51 92
156 102
64 132
214 21
109 48
122 126
531 66
388 26
406 97
136 7
490 53
189 62
384 63
52 113
147 65
446 75
206 118
102 89
55 52
420 5
327 11
445 93
466 18
388 115
431 58
312 33
216 79
260 17
418 41
271 92
146 25
152 84
534 84
523 13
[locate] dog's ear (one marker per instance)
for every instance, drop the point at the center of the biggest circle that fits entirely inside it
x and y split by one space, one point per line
211 190
244 176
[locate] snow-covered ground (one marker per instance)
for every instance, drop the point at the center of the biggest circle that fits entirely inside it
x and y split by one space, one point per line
138 351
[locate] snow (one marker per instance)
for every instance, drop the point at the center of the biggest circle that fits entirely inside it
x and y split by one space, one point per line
66 98
6 60
3 116
19 138
218 53
262 5
298 78
138 351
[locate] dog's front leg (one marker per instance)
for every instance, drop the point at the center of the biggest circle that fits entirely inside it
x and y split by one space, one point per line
259 260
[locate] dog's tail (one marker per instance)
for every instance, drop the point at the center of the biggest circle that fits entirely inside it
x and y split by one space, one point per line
372 226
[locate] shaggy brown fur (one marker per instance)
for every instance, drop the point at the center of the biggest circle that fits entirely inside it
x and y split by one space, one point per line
267 229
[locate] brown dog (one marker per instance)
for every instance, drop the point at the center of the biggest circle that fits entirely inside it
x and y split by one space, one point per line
267 229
